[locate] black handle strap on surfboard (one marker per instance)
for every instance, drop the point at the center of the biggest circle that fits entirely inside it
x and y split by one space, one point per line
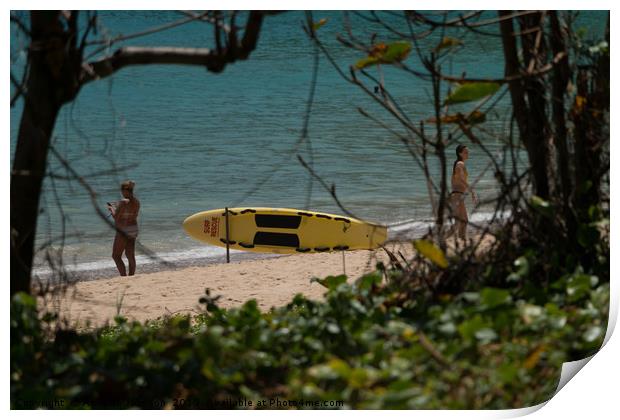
227 238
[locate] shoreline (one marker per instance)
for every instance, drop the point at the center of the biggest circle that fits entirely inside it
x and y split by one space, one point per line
152 266
272 281
201 256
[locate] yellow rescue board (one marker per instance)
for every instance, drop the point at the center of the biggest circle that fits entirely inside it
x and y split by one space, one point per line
283 231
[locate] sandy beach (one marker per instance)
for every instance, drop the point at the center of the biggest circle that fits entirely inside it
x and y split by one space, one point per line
272 282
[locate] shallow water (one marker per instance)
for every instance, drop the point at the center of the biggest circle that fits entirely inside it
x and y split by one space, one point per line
194 140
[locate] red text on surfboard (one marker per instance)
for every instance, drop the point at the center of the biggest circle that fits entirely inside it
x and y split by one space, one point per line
211 227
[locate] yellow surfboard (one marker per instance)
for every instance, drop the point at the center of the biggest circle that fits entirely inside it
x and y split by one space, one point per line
283 231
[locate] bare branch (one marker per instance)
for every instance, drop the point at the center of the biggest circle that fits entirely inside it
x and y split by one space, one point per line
406 141
428 346
92 22
206 18
331 190
510 78
92 174
459 21
385 104
493 21
396 32
19 89
109 42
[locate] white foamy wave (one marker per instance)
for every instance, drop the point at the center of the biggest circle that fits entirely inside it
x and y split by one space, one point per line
407 227
481 217
207 253
413 227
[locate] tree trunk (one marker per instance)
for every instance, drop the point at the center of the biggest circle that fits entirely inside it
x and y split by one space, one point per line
538 132
55 77
561 75
524 100
42 101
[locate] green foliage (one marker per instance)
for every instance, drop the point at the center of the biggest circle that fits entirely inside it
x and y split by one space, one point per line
390 339
468 92
363 345
331 282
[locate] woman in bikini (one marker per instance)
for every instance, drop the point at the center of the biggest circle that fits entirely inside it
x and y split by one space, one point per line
460 188
125 214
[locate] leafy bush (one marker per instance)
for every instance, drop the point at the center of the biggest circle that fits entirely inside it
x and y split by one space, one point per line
364 345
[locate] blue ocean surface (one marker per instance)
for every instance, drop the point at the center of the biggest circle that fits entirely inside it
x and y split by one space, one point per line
194 140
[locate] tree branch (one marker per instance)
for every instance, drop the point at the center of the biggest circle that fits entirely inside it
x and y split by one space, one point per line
509 78
209 19
107 43
331 190
21 25
128 56
19 89
214 61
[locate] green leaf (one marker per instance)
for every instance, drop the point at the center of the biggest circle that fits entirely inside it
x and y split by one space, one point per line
396 51
369 280
588 235
340 367
530 313
448 328
486 335
581 32
602 46
542 206
320 23
470 327
522 265
333 328
507 372
322 372
468 92
24 299
365 62
471 296
430 251
331 282
592 333
448 42
334 369
385 54
492 297
523 268
359 377
579 286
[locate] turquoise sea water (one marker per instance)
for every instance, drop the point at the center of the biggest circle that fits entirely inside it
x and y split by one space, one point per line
194 140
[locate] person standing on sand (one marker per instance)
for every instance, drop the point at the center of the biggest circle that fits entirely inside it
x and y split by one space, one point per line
125 214
460 187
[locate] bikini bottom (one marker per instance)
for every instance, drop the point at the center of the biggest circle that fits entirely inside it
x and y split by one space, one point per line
130 231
